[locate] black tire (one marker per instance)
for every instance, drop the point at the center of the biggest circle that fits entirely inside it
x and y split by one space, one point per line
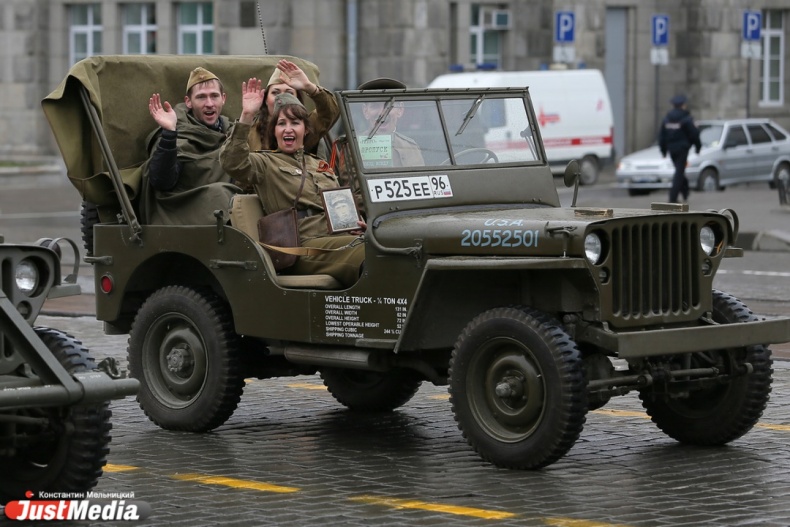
371 391
89 216
68 454
708 180
590 170
720 414
638 192
527 353
186 355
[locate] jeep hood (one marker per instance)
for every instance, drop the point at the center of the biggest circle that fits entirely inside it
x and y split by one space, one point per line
508 231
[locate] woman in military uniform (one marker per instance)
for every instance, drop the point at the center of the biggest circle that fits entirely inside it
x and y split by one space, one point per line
289 78
277 176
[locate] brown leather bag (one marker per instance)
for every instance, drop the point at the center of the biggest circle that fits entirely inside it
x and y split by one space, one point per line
279 229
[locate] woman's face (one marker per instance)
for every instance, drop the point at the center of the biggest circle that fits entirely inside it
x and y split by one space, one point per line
289 132
273 91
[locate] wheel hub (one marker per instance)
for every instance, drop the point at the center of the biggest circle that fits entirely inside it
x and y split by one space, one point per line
510 387
180 360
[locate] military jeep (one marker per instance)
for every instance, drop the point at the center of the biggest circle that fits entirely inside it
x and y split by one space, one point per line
475 277
54 410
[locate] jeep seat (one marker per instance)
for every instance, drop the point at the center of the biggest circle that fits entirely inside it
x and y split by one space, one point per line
245 209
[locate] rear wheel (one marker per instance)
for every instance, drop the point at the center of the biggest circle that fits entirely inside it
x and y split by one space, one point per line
57 449
517 388
184 352
371 390
638 192
708 180
719 413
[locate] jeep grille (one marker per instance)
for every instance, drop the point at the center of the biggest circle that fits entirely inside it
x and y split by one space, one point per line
655 269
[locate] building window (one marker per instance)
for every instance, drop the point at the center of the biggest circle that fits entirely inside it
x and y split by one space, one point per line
85 31
486 34
139 29
196 28
772 62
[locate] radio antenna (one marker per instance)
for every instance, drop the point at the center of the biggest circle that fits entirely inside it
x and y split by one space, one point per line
263 33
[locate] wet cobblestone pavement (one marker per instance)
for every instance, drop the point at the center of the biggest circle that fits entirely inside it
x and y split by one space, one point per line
291 455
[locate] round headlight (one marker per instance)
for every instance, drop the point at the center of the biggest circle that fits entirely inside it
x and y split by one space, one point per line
707 239
593 248
26 276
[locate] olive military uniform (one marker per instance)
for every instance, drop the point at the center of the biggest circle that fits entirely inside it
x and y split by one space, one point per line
277 177
199 185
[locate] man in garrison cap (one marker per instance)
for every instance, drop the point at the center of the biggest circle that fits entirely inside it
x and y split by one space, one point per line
677 135
183 180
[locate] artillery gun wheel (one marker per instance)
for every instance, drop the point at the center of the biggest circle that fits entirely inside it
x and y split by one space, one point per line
517 388
371 391
186 355
725 412
68 451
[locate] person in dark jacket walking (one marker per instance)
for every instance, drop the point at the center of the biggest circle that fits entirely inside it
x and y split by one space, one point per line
676 137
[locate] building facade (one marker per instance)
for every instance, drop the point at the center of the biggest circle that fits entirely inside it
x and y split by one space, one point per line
414 41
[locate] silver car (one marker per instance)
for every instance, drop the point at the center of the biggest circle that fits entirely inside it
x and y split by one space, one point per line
733 151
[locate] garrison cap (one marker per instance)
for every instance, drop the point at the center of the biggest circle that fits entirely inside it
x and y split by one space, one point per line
199 75
278 77
285 99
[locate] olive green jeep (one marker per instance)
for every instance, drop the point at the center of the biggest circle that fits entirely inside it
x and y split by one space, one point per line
475 277
54 410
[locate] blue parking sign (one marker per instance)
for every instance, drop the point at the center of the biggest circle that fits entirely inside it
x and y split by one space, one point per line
660 25
752 22
564 26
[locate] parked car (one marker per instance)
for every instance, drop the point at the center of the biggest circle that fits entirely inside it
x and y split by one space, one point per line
733 151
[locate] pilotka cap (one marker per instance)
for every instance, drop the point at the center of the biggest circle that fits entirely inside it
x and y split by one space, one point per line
199 75
285 99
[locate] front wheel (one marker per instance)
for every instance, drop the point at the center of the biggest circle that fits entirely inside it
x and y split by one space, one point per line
371 391
184 352
517 388
57 449
719 413
708 181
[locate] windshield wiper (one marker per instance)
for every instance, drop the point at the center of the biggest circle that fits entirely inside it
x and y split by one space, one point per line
470 114
382 117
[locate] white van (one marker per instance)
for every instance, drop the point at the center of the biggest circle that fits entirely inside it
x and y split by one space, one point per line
573 110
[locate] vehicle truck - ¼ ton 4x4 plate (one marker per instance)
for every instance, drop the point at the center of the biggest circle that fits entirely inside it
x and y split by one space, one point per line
54 409
474 277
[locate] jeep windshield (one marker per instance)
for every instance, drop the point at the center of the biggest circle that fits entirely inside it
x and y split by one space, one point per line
398 129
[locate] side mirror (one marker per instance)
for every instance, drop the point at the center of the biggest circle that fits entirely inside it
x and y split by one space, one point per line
573 174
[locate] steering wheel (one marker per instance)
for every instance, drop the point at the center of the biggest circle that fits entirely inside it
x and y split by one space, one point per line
487 154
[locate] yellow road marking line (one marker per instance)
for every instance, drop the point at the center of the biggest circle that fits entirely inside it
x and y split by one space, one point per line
110 467
782 428
234 483
621 413
307 386
397 503
572 522
442 397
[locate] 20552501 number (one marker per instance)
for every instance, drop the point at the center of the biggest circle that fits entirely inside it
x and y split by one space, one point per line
499 238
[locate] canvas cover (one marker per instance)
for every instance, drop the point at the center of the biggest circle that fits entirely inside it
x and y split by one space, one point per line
119 87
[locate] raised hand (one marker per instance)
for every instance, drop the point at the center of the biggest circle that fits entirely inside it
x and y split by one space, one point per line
163 114
251 99
293 76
